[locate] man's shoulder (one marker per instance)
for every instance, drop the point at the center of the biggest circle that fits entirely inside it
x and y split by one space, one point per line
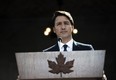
80 43
83 46
52 48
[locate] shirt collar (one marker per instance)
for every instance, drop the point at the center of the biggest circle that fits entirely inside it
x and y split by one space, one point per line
69 43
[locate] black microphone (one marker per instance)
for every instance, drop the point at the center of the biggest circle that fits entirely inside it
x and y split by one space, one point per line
60 39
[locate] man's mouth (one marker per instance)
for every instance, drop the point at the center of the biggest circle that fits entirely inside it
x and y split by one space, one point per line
63 31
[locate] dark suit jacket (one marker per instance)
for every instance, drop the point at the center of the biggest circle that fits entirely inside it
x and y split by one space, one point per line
76 47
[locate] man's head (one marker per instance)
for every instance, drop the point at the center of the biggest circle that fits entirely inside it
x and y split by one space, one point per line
63 25
62 13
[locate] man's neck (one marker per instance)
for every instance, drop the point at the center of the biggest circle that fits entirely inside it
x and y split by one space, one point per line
65 40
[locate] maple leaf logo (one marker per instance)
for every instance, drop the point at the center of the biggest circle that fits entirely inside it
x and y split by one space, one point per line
60 66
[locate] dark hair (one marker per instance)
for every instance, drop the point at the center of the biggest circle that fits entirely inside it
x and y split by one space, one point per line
62 13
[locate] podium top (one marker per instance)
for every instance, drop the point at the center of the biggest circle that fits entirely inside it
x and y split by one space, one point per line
74 64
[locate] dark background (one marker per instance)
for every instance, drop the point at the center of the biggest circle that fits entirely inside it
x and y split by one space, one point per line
22 24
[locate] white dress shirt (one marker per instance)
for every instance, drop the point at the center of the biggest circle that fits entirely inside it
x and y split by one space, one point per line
69 44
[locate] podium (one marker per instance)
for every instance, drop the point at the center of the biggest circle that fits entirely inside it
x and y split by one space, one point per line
74 65
66 79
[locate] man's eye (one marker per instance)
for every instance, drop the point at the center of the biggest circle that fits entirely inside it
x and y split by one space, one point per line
58 24
66 23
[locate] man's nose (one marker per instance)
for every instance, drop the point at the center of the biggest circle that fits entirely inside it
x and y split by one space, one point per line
63 26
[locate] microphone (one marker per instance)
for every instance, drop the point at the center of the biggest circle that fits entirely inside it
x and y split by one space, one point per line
60 39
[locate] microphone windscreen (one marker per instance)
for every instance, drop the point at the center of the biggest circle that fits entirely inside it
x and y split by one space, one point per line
59 39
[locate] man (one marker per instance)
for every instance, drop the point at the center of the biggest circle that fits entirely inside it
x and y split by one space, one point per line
63 26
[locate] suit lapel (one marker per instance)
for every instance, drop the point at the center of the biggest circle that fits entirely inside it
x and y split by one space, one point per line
56 47
75 47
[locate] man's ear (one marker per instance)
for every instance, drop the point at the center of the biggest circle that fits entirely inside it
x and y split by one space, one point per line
72 28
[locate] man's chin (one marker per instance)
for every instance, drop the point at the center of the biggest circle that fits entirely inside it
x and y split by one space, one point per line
64 36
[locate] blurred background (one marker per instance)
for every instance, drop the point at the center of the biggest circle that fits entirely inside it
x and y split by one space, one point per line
23 22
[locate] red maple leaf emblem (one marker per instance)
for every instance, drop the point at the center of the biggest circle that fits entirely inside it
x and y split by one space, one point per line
60 66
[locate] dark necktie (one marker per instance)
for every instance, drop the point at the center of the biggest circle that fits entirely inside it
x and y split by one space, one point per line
65 47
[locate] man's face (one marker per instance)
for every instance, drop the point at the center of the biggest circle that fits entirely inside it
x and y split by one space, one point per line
63 27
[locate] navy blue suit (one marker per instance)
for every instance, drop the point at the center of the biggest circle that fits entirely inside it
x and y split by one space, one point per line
76 47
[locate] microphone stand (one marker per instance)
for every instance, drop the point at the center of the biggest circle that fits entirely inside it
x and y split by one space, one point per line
60 40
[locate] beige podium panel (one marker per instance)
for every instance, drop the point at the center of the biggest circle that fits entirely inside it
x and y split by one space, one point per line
61 65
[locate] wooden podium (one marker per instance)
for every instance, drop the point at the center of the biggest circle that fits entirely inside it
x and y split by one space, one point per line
75 65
